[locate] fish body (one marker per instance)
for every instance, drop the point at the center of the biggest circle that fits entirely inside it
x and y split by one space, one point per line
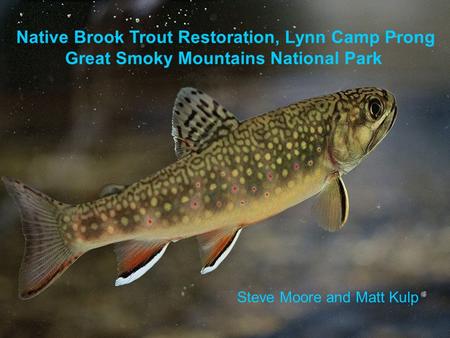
228 175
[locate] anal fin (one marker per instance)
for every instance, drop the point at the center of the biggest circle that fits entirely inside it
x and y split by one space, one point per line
215 247
134 258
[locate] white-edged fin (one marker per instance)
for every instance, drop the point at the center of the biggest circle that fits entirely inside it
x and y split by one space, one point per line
332 205
215 247
197 120
135 258
111 189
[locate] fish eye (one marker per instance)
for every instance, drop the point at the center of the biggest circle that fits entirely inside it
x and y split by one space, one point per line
375 108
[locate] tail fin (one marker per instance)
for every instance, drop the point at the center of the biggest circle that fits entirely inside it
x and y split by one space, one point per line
46 255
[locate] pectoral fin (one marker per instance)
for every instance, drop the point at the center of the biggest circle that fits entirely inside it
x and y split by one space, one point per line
332 205
111 189
215 247
134 258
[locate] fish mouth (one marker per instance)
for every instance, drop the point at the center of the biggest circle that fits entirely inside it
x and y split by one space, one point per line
383 129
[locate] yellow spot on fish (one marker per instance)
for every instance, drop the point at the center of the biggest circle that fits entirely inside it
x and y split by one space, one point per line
66 219
303 145
267 156
124 221
289 145
112 213
137 218
310 163
83 229
242 180
278 190
257 157
167 206
224 186
320 129
173 190
234 173
103 217
118 206
94 226
75 227
154 202
279 160
270 145
249 171
132 205
158 213
207 199
110 229
284 173
312 130
142 211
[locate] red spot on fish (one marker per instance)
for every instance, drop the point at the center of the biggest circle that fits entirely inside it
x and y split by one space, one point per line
269 176
254 189
149 221
296 166
234 188
198 184
194 204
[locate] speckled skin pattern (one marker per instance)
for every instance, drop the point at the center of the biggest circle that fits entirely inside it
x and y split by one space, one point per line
264 166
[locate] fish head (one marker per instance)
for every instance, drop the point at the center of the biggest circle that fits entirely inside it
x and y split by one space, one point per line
361 119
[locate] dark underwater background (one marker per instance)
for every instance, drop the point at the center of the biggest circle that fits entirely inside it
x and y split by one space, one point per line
68 131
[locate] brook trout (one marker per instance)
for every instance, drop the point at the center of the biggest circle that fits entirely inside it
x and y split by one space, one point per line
229 174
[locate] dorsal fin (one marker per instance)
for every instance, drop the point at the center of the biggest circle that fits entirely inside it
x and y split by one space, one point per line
215 247
134 258
197 120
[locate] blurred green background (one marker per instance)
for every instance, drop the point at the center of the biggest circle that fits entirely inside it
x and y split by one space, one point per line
70 130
